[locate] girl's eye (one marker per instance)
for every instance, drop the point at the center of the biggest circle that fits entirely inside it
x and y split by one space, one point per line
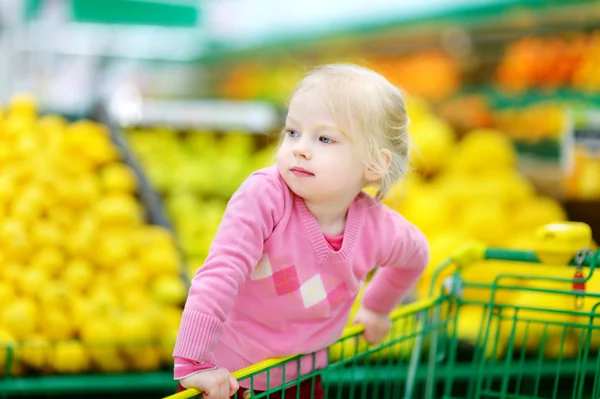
325 140
293 133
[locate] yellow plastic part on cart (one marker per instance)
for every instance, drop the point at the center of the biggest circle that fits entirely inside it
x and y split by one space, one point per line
558 243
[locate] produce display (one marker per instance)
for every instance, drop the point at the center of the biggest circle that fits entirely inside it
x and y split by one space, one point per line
549 63
86 284
196 173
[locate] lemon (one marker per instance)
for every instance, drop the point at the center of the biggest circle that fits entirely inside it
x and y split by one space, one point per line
7 292
78 274
135 331
35 351
20 317
79 192
112 251
70 357
145 358
56 293
118 177
62 216
118 210
160 260
135 299
14 239
47 233
8 187
169 290
10 272
49 259
56 324
167 343
150 236
30 281
129 275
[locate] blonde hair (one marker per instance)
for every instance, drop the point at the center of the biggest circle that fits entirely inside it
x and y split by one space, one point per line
366 104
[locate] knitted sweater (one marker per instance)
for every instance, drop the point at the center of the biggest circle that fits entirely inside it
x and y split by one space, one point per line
272 285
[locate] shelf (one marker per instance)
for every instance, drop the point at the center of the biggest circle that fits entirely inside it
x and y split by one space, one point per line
400 27
500 100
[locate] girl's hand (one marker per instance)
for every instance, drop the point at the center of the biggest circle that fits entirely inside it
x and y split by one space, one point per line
214 384
377 325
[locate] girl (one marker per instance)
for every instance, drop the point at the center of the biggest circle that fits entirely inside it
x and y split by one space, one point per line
298 239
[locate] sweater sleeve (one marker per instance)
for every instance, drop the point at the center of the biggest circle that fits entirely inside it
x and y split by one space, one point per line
404 257
249 219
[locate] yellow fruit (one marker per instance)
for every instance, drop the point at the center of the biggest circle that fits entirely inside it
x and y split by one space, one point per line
47 233
169 290
78 274
119 210
160 260
167 343
135 299
99 337
77 192
35 351
112 250
50 260
56 324
150 236
129 275
30 280
10 272
69 357
145 358
20 317
14 239
487 222
7 292
62 216
118 177
536 212
8 187
482 150
134 332
433 145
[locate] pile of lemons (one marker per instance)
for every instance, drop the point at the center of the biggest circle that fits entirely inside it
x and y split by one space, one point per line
85 283
196 173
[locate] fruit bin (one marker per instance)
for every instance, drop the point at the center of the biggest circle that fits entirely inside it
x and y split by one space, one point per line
91 278
519 351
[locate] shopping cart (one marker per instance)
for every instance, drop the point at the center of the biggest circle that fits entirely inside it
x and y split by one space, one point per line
536 335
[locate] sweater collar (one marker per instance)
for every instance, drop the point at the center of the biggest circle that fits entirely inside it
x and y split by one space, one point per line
317 239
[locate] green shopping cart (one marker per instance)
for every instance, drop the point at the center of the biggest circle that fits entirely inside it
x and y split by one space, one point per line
536 332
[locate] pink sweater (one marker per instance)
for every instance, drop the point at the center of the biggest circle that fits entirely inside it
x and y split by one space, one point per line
272 285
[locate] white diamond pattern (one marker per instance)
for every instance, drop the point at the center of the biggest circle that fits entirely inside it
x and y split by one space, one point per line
313 291
263 269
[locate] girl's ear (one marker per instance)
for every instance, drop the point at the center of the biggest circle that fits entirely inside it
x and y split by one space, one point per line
385 157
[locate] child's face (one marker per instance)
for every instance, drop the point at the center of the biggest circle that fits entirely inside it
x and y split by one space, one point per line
317 161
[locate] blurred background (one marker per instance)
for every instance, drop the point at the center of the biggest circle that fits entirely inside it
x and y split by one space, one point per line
125 126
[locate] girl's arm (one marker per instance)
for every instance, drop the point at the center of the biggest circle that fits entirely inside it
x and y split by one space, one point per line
250 217
405 254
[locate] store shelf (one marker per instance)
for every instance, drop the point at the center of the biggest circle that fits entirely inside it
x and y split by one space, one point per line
496 17
499 99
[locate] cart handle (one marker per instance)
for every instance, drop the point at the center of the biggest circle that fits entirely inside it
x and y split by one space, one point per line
351 331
